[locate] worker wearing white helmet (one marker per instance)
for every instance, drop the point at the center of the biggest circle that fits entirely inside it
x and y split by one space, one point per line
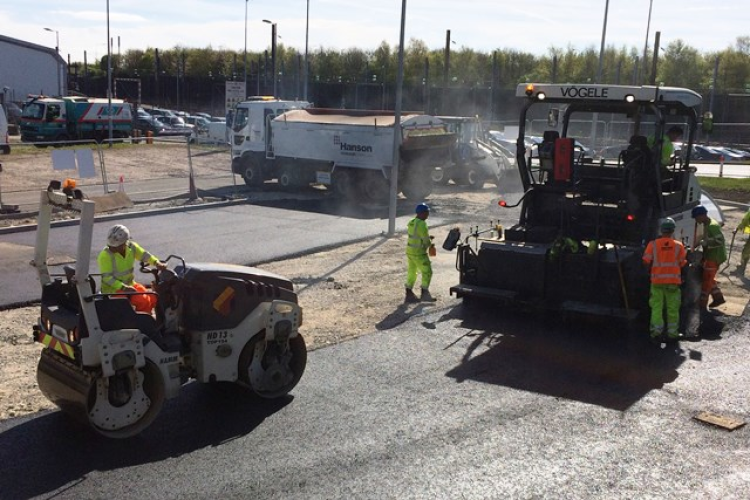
665 257
116 264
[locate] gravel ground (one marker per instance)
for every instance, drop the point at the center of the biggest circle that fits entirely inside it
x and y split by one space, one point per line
336 287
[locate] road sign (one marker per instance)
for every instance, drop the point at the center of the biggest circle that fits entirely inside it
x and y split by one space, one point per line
235 92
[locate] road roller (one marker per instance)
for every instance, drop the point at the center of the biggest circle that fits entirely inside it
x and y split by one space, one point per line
112 367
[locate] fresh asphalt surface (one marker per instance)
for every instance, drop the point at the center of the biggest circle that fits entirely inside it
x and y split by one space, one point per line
450 404
453 403
237 233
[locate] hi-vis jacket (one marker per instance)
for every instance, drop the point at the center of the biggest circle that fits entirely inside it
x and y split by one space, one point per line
419 237
667 257
117 271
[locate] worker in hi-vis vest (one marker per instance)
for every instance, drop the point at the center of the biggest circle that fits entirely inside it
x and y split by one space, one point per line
418 244
116 264
744 226
666 257
714 255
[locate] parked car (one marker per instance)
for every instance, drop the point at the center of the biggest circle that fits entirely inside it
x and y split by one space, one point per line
176 123
199 122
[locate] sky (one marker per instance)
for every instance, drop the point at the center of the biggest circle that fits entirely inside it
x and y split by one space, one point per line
483 25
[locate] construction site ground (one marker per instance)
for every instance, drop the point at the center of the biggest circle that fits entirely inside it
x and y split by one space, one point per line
346 292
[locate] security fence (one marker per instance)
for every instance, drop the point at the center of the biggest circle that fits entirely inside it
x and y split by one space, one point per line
146 169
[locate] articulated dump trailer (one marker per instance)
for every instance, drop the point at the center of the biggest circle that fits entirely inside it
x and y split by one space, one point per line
585 218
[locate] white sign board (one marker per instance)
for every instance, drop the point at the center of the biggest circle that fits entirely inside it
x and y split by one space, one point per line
63 159
85 160
235 92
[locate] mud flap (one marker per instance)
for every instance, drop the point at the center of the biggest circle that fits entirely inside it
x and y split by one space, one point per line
690 313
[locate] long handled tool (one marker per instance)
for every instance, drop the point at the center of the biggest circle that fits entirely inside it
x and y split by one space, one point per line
731 247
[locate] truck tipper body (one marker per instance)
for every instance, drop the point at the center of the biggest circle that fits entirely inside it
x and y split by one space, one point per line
47 119
350 151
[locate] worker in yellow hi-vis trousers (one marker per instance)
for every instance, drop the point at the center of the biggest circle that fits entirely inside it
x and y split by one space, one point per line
418 244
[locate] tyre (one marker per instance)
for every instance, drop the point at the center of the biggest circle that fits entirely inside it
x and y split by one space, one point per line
288 179
416 185
272 369
472 178
252 174
374 187
344 184
440 176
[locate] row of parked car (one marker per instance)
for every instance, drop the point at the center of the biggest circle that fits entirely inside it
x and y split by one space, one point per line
165 122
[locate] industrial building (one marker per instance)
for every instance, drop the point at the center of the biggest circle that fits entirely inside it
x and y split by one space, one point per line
27 68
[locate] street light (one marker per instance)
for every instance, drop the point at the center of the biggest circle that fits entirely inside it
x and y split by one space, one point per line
57 38
307 36
57 63
273 52
245 96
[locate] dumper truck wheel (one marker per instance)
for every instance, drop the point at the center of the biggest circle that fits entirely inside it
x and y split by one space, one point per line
473 178
272 369
440 176
252 174
343 184
416 185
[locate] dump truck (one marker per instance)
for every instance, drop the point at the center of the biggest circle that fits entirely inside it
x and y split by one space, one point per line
56 120
112 367
475 159
350 151
585 221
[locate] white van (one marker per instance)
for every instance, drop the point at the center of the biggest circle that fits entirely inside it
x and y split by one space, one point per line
4 144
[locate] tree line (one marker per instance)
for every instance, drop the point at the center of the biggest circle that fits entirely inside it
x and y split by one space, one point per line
679 64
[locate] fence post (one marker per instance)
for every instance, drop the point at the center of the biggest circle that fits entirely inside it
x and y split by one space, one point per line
193 194
721 165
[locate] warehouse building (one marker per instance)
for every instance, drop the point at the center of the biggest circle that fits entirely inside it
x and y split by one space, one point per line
27 68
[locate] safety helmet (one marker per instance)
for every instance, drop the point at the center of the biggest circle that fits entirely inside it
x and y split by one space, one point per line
422 207
699 210
667 225
118 234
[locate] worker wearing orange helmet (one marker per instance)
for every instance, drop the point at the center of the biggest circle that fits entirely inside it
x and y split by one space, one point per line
116 264
665 257
418 244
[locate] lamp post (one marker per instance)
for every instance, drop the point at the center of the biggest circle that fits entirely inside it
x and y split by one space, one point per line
57 49
109 79
397 127
245 53
307 37
273 52
645 45
57 38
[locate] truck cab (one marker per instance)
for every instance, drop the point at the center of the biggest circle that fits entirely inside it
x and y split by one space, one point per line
46 119
251 139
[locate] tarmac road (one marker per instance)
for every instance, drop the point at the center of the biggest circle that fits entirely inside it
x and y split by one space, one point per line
236 233
451 404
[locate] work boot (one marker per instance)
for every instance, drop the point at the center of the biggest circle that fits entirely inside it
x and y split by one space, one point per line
426 297
718 299
410 297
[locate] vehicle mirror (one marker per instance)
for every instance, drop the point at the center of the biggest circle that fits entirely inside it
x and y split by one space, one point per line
553 117
707 125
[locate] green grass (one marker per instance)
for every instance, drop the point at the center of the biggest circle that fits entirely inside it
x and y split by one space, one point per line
725 184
